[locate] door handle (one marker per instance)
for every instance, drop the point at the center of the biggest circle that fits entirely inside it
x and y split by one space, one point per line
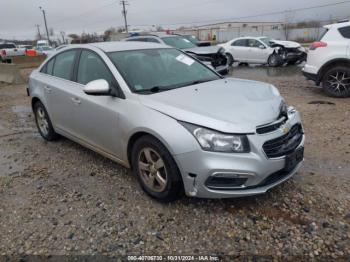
47 89
76 100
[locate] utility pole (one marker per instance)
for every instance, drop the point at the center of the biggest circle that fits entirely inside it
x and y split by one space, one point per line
39 35
124 3
47 31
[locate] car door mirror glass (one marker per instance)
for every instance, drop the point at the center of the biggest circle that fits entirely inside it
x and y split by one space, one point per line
98 87
261 47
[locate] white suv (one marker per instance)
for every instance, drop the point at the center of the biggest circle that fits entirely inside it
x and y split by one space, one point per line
328 61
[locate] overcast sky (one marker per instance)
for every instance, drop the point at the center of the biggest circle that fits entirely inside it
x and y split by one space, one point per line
18 17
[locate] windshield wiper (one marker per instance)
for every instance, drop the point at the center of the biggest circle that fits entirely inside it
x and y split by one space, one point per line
197 82
154 89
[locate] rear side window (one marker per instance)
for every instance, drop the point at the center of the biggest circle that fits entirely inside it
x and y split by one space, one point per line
64 63
240 42
91 67
137 39
48 67
345 31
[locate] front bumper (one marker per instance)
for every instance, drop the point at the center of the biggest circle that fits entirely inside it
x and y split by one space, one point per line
196 167
310 72
294 57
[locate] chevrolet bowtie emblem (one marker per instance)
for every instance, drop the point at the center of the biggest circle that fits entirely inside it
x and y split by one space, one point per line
285 129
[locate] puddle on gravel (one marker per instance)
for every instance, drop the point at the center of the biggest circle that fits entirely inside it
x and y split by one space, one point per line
260 71
22 111
24 114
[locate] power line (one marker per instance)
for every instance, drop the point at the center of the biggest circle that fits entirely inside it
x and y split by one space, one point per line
255 16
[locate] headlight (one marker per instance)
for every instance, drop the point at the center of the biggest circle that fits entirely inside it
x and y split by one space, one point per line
211 140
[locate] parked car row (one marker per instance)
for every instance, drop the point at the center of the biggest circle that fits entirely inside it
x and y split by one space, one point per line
263 50
213 56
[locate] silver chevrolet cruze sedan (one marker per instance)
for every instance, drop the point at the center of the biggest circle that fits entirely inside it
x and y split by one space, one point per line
180 126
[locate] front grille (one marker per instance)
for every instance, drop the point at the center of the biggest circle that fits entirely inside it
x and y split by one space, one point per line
219 60
215 59
264 129
285 144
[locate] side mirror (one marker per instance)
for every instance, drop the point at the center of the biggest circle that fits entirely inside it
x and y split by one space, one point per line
98 87
261 47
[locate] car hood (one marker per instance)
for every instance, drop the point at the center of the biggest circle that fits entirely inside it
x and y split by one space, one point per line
227 105
203 50
287 44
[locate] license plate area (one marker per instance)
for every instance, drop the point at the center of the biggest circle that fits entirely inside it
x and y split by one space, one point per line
293 159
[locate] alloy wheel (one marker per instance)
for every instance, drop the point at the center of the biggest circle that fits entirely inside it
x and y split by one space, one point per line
339 82
152 170
42 120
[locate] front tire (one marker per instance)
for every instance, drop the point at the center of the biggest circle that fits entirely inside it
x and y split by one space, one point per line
43 122
156 170
230 59
274 60
336 81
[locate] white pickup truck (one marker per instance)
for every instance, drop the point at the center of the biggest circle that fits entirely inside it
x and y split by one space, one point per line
9 50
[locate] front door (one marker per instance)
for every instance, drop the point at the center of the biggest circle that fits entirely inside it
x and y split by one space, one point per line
96 117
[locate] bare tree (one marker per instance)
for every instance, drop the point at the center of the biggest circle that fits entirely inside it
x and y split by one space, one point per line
287 23
63 35
159 28
51 31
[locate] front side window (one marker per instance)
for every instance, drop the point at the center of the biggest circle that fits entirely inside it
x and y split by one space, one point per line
266 41
91 67
64 64
7 46
178 42
254 43
154 70
240 42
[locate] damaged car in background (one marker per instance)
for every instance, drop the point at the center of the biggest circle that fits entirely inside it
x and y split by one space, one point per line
263 50
212 56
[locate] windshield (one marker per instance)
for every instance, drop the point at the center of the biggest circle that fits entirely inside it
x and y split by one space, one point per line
266 40
156 70
192 38
178 42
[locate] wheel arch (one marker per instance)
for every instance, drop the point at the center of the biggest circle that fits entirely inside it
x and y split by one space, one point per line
34 101
330 64
137 135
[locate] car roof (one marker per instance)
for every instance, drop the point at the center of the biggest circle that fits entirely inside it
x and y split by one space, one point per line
123 46
337 25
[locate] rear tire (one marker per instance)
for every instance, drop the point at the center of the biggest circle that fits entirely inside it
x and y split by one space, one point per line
274 60
336 81
156 170
43 122
230 59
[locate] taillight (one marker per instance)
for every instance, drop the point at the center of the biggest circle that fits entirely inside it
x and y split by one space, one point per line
316 45
3 52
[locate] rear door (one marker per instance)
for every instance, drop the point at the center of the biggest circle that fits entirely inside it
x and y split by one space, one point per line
345 32
240 50
61 91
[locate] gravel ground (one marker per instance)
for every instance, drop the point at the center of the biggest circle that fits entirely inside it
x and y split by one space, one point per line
62 199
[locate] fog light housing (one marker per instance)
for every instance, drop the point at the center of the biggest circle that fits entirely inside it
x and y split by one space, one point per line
225 181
